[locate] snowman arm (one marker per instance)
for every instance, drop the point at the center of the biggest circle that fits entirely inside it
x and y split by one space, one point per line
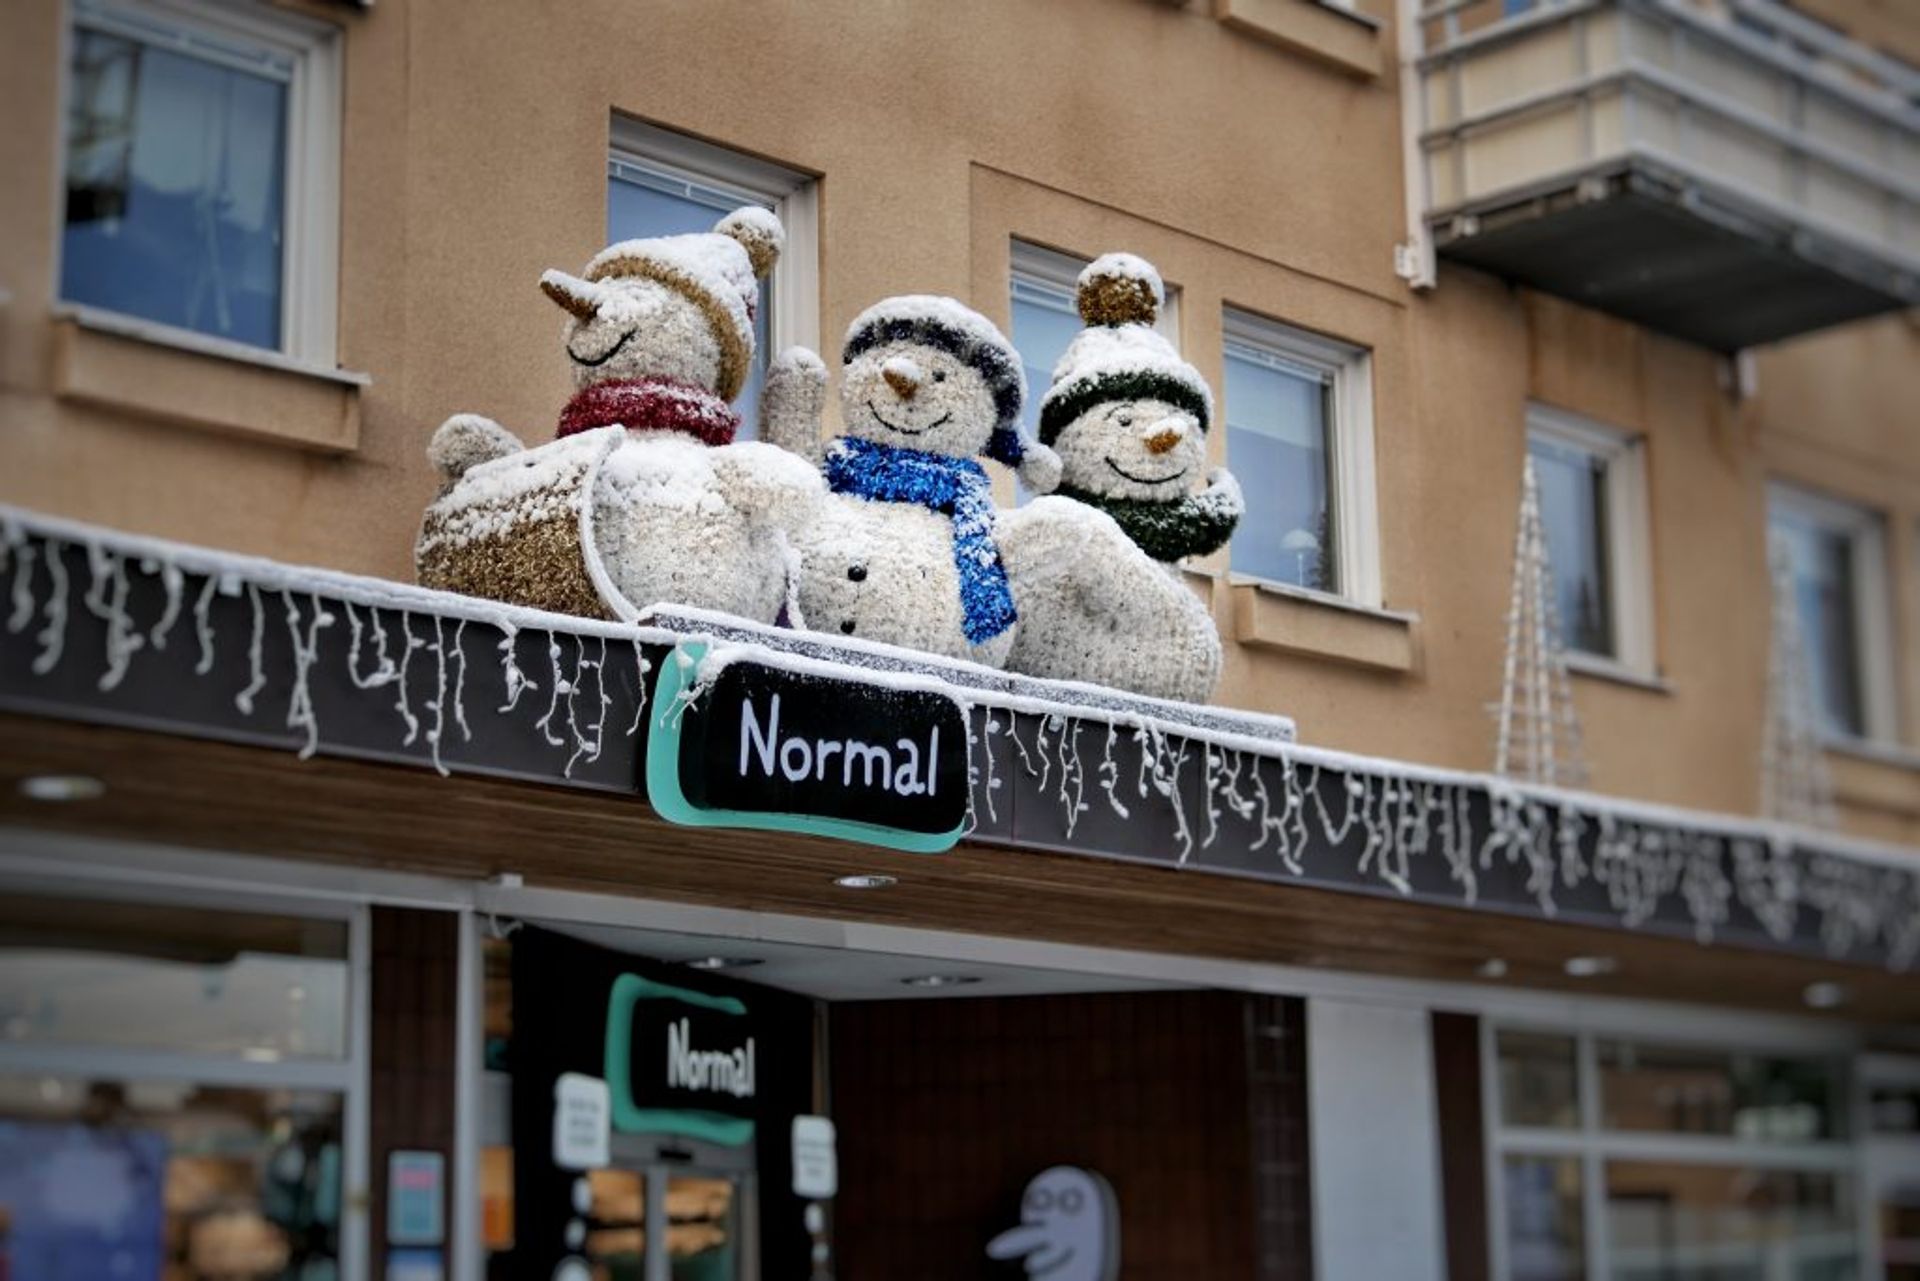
465 441
766 482
1223 494
793 401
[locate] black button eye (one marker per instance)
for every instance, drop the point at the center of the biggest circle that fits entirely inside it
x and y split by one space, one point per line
1126 420
847 627
858 574
939 375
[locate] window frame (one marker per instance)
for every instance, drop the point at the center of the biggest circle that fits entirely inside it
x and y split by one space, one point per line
1866 529
310 212
1593 1145
794 197
1628 538
349 1076
1348 367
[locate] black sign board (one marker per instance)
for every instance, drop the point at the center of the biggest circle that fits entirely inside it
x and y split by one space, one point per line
772 747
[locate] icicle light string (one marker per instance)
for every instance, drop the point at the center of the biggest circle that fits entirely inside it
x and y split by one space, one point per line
173 582
1641 856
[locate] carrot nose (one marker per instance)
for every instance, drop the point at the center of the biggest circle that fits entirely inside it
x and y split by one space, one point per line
1165 434
903 376
579 298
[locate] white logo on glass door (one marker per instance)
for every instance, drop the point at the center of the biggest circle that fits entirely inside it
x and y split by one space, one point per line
1069 1228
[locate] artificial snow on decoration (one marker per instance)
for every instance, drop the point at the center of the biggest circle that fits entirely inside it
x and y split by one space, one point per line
1129 419
642 498
904 550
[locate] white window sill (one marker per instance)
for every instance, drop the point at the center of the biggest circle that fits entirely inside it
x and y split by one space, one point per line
1329 599
1602 668
1878 751
148 331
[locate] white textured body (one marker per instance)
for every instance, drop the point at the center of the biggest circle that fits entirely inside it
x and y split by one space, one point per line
887 569
1094 607
680 522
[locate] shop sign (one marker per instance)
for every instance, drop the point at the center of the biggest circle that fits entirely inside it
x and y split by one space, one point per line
1069 1228
769 747
582 1122
816 1163
414 1184
679 1062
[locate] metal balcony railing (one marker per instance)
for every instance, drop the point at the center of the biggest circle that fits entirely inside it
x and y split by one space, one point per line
1727 170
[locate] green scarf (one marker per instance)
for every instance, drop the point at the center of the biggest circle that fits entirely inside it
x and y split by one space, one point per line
1190 525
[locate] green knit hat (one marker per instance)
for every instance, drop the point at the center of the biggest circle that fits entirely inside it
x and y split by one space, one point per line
1120 356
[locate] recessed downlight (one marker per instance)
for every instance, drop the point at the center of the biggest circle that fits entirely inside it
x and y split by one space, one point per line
1824 995
866 881
1587 967
1493 967
941 980
62 787
723 962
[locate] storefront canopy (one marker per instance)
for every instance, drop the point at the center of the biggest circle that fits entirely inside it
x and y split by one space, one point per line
115 630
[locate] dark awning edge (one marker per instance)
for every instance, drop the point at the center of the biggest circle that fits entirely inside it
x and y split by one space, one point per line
106 627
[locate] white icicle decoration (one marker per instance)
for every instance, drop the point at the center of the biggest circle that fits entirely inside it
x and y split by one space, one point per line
256 666
173 582
402 703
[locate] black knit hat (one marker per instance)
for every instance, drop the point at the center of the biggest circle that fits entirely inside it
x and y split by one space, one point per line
970 338
1120 356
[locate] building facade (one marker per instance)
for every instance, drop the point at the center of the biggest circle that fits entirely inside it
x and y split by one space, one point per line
253 253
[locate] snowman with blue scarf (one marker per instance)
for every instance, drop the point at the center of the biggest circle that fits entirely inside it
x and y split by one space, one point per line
905 547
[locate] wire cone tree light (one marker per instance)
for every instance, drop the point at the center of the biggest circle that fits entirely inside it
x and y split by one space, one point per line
1539 739
1795 786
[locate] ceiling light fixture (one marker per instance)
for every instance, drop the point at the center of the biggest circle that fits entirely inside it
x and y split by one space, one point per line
866 881
62 787
722 962
1491 968
1824 995
941 980
1587 967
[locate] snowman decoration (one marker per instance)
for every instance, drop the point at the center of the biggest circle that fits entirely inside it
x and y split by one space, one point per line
1128 417
905 548
642 498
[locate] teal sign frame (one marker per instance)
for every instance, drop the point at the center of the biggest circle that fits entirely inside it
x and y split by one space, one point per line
669 799
630 1118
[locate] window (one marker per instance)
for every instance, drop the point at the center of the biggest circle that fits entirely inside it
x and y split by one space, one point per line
1592 485
664 184
184 1074
1299 413
1045 318
1834 556
1628 1160
202 171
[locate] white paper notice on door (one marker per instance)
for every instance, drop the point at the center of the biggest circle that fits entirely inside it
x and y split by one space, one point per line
582 1122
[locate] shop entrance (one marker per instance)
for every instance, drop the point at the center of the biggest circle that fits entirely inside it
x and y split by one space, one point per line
670 1210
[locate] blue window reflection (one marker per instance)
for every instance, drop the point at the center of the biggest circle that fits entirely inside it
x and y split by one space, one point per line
1821 561
1573 506
1277 413
1044 322
176 185
643 202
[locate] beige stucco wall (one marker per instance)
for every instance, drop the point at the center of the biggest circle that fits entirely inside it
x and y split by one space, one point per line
1255 171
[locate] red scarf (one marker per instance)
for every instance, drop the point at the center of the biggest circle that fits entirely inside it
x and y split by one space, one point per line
651 404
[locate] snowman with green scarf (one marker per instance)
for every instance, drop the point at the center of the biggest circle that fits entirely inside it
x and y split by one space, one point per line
906 548
1129 418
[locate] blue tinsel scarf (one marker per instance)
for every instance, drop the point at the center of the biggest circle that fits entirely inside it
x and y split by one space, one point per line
956 488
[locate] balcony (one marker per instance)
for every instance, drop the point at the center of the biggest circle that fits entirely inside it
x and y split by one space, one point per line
1726 171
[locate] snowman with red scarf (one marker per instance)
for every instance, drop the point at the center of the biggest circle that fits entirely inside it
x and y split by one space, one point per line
660 337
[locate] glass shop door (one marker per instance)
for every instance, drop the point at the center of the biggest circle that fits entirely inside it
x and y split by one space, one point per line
672 1211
